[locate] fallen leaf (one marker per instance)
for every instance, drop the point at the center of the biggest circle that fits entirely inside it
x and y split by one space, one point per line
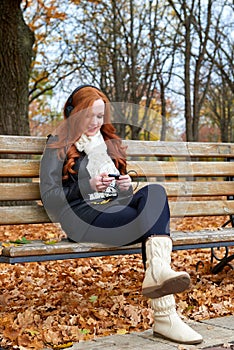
122 331
54 303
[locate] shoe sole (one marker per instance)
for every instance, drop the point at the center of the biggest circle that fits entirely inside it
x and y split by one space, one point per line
189 342
171 286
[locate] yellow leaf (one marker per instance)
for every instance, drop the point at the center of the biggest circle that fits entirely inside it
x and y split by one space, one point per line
8 244
32 332
63 346
54 241
122 331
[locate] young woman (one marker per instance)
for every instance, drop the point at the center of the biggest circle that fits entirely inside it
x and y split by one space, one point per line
85 186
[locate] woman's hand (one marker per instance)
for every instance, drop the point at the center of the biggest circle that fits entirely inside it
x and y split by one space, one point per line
100 182
124 182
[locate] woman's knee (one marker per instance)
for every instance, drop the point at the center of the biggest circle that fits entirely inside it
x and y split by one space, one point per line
156 188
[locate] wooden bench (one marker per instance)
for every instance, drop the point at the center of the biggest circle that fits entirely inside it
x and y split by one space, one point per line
197 177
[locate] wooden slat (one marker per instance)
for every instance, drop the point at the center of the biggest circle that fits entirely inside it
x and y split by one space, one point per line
19 168
23 215
22 144
31 191
203 236
66 247
184 169
30 168
194 188
36 214
201 208
179 149
35 145
19 191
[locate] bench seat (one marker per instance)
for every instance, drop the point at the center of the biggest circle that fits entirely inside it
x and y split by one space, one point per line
40 250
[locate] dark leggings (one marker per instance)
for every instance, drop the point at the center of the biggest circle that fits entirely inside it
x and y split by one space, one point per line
148 209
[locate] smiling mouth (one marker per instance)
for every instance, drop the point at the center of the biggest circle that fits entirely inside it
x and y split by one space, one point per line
92 129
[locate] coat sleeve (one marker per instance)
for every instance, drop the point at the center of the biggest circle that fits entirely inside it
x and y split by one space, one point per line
57 196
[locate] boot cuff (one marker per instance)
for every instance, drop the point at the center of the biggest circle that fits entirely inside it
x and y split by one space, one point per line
163 306
159 241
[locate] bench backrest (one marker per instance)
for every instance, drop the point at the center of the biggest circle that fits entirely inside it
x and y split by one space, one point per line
195 175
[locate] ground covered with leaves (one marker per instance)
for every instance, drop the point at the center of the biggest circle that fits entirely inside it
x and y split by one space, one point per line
53 304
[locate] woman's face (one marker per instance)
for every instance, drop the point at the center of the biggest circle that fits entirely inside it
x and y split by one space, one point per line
96 118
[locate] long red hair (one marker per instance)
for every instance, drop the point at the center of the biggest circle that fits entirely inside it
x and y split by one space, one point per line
72 128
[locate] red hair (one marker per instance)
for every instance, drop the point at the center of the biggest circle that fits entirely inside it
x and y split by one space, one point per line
73 127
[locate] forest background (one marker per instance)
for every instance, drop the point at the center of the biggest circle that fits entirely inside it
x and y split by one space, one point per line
175 58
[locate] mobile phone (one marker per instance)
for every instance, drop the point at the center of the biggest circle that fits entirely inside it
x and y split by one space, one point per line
116 176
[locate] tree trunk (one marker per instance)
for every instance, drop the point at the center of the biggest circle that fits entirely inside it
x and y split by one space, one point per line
16 41
187 83
135 131
163 113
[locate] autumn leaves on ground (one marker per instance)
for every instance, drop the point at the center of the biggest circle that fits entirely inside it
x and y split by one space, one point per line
54 304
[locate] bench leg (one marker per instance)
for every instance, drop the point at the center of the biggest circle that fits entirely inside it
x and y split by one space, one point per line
224 261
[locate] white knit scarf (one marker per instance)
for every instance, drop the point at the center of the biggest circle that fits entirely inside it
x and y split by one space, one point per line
98 159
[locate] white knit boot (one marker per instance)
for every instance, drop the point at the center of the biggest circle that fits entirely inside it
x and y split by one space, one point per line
160 279
168 324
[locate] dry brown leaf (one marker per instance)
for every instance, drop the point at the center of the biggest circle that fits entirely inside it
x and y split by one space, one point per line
52 303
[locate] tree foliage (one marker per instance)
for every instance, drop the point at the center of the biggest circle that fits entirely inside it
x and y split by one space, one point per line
130 49
218 107
201 25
